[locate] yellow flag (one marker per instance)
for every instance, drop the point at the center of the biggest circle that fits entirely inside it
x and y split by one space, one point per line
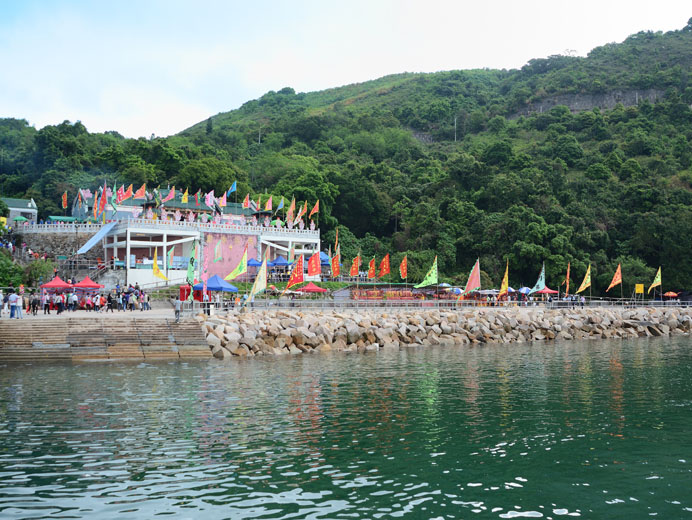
505 281
587 281
656 282
184 197
155 267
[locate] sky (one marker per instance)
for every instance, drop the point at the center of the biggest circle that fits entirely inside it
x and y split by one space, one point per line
158 67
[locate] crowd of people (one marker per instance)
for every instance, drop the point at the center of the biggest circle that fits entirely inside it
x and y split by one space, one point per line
16 303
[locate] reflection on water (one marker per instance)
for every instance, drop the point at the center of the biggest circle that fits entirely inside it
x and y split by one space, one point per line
593 429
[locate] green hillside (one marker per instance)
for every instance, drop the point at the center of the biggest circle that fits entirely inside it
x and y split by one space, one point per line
525 180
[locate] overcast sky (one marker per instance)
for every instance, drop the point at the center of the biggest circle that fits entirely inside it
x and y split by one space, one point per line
143 67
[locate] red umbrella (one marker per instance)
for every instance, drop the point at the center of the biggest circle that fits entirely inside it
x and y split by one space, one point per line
56 283
545 290
311 287
671 294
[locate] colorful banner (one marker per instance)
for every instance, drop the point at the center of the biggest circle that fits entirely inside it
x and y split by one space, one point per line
371 268
384 266
656 282
297 274
155 266
504 286
183 199
540 283
128 193
336 268
617 278
64 200
587 281
141 193
314 265
474 282
246 201
268 205
403 268
260 281
171 195
241 268
315 208
355 266
430 277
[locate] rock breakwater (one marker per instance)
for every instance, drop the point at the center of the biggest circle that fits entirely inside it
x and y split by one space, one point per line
251 332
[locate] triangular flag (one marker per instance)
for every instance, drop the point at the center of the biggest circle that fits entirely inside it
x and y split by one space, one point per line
260 280
268 205
171 195
128 193
504 286
617 278
155 266
233 188
474 282
240 268
246 201
587 280
281 204
183 199
540 283
222 201
315 208
430 277
141 193
291 210
656 282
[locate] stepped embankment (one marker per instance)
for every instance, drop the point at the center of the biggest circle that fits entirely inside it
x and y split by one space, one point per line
250 332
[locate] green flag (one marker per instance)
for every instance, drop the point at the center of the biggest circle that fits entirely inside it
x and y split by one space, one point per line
540 283
218 254
191 266
430 278
170 257
260 281
241 268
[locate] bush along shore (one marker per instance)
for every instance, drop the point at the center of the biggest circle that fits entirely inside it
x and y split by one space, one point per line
278 332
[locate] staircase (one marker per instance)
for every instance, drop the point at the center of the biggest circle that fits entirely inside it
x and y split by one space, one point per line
100 338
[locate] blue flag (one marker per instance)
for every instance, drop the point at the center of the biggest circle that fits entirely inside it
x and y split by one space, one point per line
281 204
232 188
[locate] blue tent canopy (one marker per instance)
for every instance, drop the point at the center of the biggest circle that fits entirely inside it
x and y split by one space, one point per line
281 262
254 262
324 258
216 283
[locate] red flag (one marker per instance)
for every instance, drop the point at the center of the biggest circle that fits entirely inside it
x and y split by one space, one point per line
120 195
336 268
384 266
403 268
296 274
64 200
141 193
567 281
268 205
617 278
104 199
291 210
79 198
246 202
315 209
314 265
355 266
128 193
474 281
371 268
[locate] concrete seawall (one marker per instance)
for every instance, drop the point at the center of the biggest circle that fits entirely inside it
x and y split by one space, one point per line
278 332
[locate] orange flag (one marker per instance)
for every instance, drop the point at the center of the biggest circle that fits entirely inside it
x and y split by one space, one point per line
96 203
141 193
315 209
291 210
128 193
246 202
355 266
617 279
64 200
384 266
403 268
314 265
567 280
371 268
296 274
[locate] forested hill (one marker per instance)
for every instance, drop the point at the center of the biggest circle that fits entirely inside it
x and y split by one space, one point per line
523 182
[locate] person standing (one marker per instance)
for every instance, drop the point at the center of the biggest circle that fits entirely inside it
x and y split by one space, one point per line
45 301
110 302
13 304
177 305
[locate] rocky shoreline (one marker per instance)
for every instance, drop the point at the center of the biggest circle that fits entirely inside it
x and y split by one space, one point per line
247 332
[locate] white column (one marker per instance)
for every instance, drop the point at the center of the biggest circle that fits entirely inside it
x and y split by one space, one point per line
127 256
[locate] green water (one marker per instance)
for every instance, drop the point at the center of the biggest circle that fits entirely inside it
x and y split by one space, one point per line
590 429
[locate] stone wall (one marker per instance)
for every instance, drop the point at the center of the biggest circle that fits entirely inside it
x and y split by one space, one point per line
277 332
61 244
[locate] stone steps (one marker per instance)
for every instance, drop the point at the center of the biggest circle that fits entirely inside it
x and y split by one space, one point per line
100 338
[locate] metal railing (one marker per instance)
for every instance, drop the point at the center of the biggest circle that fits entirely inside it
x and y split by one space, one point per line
60 227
